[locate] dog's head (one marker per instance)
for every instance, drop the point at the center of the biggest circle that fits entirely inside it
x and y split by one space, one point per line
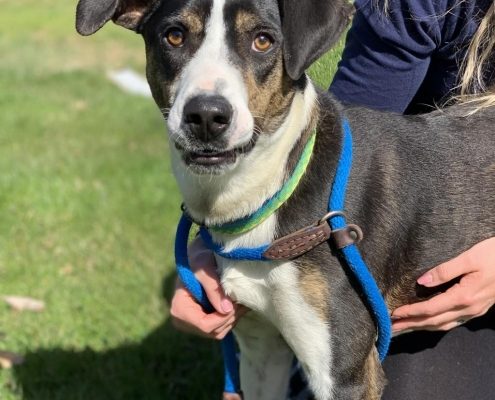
223 72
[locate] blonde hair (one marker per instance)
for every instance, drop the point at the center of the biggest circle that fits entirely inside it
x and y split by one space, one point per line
481 51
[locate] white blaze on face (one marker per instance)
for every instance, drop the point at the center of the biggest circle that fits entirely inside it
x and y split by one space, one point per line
211 73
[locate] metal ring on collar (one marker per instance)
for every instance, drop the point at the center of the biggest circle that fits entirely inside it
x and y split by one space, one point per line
330 215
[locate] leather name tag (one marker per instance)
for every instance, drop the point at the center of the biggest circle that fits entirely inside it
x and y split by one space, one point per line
298 243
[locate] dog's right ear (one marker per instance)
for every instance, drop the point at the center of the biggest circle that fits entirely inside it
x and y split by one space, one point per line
310 28
91 15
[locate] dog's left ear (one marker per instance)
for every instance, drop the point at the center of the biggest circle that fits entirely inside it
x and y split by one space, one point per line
310 28
91 15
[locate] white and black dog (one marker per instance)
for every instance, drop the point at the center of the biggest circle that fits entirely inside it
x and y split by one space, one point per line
229 77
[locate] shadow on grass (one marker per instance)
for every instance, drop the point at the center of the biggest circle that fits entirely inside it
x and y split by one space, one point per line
164 365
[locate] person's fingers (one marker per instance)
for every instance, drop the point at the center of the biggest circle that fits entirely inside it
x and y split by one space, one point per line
211 322
228 323
231 322
471 297
446 327
220 335
214 291
434 328
231 396
442 312
444 302
189 316
223 330
203 265
209 326
425 326
204 330
447 271
443 321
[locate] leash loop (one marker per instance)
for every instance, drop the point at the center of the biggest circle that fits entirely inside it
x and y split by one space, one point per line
351 254
331 214
191 283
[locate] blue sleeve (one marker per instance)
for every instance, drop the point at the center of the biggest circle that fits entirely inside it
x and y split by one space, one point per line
386 57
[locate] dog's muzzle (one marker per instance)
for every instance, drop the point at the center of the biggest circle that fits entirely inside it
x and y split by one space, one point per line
207 121
207 117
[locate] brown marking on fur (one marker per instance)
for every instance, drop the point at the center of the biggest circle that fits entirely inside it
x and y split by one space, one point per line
490 169
407 291
193 21
245 21
399 294
374 378
270 100
314 289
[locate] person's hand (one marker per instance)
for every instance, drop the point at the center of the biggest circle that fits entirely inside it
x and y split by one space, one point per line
472 297
188 316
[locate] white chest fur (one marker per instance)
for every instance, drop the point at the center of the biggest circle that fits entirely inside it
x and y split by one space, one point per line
272 290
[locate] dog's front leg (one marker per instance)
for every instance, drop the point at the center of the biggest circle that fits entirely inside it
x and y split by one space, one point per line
265 359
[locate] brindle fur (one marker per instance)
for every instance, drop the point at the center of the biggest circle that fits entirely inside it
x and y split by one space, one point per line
193 20
374 377
315 294
418 198
269 100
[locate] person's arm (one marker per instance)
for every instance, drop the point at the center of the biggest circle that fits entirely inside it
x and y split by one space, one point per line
386 56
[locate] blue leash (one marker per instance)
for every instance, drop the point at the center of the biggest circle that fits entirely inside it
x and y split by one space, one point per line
349 254
231 365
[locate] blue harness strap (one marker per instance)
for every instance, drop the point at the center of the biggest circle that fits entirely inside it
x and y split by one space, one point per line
350 255
243 253
231 365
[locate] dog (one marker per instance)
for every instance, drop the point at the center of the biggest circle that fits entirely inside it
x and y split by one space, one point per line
229 76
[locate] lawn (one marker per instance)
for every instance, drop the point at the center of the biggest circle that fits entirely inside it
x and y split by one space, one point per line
88 208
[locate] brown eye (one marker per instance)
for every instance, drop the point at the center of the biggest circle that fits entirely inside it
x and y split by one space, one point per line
262 43
175 37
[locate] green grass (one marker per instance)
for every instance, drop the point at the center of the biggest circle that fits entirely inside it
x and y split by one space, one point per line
88 208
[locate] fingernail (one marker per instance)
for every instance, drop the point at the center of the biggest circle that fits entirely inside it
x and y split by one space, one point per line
227 305
425 279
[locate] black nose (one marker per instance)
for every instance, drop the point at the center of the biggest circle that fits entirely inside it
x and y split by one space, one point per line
207 116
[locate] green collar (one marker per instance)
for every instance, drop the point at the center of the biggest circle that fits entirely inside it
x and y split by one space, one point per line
249 222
